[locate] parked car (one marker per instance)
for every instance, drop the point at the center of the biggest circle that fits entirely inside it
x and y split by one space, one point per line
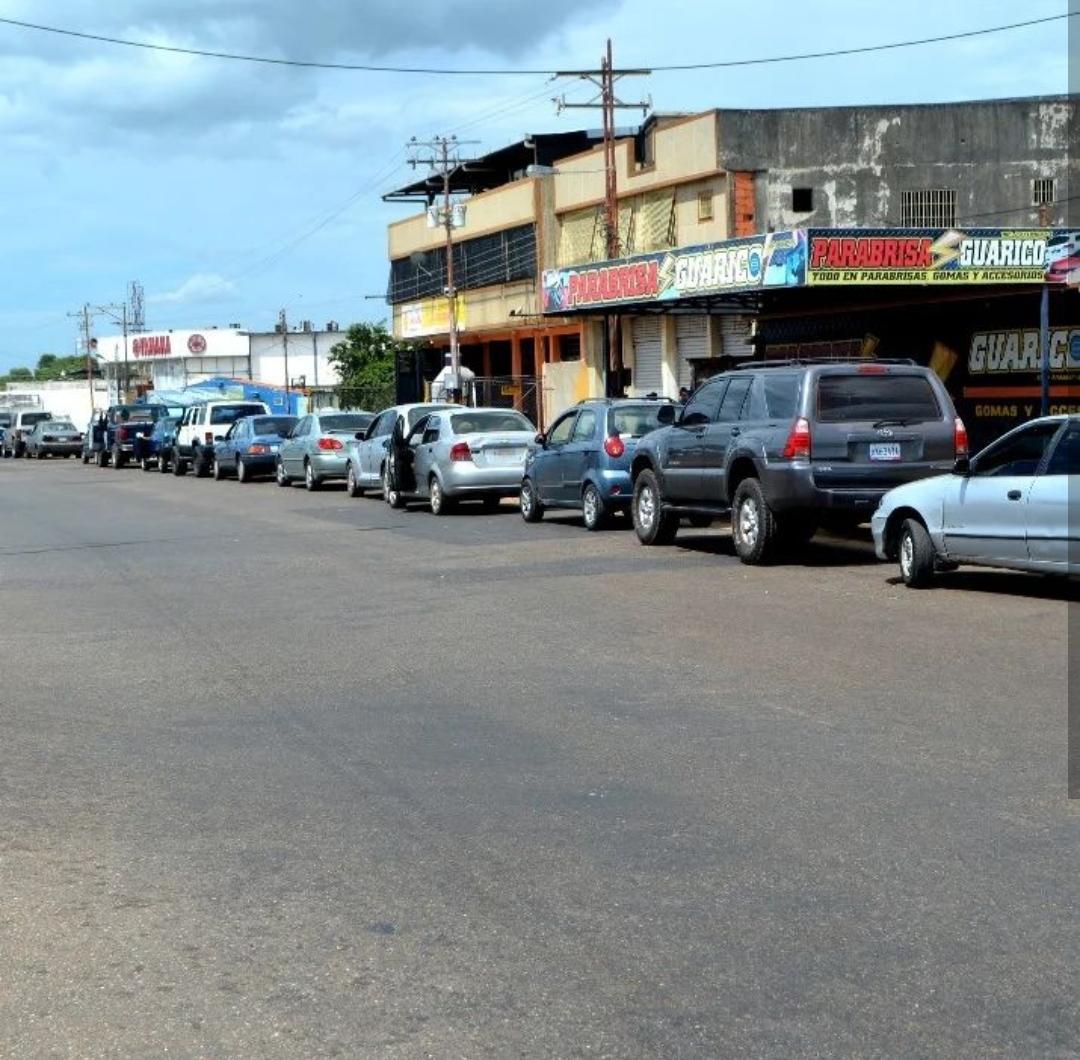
784 446
583 462
22 421
5 422
199 428
112 433
250 447
154 449
459 454
365 455
315 449
53 438
1007 507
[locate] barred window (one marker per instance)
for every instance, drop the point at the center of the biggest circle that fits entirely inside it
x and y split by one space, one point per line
501 257
930 208
1042 191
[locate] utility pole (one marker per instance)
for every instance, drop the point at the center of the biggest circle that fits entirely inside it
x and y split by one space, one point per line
608 102
1044 328
283 327
442 154
83 316
119 315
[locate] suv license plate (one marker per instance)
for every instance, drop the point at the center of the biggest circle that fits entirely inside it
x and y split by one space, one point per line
885 451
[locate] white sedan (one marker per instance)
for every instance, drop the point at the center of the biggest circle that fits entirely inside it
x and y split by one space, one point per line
1008 507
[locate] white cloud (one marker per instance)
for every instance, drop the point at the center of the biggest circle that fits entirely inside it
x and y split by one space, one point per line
202 287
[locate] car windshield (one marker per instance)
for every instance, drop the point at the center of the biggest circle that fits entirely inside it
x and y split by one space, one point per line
849 398
476 422
280 425
346 421
229 413
633 420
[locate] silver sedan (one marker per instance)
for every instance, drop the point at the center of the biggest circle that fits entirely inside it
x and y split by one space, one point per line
460 454
316 448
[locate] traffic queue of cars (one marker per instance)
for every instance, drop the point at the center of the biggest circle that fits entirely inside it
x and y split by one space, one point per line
782 449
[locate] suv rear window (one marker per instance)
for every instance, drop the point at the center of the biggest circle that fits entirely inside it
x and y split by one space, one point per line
30 418
229 413
849 398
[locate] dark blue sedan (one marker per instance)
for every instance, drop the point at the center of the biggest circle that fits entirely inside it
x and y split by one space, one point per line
251 446
583 461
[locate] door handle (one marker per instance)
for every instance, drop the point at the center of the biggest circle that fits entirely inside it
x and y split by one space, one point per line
1014 495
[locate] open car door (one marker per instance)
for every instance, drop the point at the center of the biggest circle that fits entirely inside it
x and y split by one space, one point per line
402 473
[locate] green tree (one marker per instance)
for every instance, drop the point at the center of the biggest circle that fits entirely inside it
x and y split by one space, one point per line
20 375
47 367
366 360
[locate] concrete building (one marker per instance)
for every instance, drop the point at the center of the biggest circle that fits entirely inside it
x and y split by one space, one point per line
695 181
177 358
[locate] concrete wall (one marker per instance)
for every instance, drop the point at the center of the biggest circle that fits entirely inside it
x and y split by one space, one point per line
859 160
62 399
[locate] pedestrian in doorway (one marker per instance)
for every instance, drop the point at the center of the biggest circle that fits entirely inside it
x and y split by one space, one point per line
684 395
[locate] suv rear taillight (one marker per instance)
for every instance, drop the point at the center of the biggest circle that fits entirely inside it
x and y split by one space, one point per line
614 446
798 441
460 452
960 438
327 444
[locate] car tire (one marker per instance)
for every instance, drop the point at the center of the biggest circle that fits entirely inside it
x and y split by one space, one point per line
217 472
179 466
653 525
754 528
352 484
391 496
312 482
144 463
119 459
280 475
440 503
199 465
162 463
532 511
593 510
915 552
242 473
101 458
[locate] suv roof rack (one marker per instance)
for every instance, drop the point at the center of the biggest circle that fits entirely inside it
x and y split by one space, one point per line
800 362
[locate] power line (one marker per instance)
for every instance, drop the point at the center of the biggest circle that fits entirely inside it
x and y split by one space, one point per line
519 72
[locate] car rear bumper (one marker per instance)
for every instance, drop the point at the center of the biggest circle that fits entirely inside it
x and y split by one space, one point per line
329 465
616 487
462 477
61 448
259 464
844 491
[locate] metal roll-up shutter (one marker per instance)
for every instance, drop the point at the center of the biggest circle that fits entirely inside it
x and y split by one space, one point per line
735 336
647 354
692 344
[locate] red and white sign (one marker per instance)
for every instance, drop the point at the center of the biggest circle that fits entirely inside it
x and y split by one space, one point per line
151 346
196 344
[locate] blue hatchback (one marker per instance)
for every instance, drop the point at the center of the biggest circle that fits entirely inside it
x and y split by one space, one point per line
583 461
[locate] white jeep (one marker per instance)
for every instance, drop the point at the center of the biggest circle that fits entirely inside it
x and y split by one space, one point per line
201 426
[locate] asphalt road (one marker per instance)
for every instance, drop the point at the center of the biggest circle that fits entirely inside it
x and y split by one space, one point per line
292 775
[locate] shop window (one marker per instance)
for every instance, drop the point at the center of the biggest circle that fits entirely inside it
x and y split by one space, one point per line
705 206
570 347
928 208
802 200
1042 191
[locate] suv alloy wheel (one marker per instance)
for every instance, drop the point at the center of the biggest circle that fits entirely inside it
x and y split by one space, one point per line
754 528
653 525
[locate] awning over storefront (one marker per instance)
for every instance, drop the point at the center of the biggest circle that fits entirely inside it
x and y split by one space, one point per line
733 275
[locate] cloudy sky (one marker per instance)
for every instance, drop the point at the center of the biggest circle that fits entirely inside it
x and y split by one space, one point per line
231 189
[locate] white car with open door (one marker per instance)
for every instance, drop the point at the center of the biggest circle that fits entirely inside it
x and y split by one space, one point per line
1007 507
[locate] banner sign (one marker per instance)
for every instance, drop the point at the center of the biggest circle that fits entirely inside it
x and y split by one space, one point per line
431 317
941 256
777 259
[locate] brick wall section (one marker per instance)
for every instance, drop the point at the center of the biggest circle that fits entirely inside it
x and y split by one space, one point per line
744 199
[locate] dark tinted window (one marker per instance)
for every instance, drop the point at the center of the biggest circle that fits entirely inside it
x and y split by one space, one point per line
731 406
1065 460
633 420
273 424
847 398
781 395
346 421
228 413
472 422
5 419
1019 454
30 418
704 404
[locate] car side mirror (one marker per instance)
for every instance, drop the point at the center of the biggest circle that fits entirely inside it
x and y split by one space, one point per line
666 415
962 466
540 439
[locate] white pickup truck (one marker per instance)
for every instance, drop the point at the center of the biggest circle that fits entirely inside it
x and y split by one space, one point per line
201 426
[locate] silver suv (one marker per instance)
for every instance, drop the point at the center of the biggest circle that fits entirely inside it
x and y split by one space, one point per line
787 446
